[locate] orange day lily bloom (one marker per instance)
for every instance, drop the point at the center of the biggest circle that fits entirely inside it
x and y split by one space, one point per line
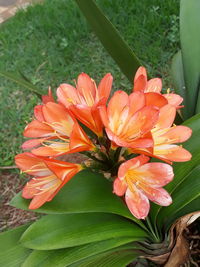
49 177
165 136
128 120
154 85
57 132
85 99
141 181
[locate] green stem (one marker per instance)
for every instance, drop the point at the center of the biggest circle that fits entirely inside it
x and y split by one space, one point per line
156 238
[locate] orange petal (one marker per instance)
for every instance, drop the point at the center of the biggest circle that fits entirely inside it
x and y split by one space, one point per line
54 112
79 140
154 85
172 153
105 86
67 95
87 88
39 200
31 164
155 99
178 134
140 84
38 113
158 195
173 99
155 174
37 129
166 116
132 163
137 203
32 143
63 170
136 101
141 71
104 115
29 190
119 187
116 104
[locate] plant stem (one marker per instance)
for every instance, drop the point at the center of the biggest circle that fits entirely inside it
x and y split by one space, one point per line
156 238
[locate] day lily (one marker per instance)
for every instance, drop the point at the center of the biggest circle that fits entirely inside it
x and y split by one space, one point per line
166 136
140 182
57 132
49 177
128 120
84 100
154 85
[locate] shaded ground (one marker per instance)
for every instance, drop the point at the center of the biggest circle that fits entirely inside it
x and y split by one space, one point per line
10 184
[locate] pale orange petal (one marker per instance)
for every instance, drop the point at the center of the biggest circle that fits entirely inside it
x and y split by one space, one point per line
154 85
178 134
166 117
119 187
173 99
67 95
105 86
37 129
155 174
137 203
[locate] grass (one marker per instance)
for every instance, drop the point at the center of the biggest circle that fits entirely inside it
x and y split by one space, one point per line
51 43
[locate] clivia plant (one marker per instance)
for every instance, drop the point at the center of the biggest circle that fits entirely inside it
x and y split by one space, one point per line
112 208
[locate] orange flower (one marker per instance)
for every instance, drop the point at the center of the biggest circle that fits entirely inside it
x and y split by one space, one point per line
154 85
128 121
84 100
56 130
49 177
165 137
140 182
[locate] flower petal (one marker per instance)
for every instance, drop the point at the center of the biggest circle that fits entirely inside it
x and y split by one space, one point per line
67 95
105 86
154 85
137 203
155 99
155 174
38 129
119 187
158 195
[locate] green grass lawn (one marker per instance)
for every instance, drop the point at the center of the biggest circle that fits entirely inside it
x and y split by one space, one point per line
51 43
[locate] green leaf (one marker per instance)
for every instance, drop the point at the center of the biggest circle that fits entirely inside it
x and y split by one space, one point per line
177 74
187 191
22 82
110 38
182 169
190 40
64 257
85 192
68 230
116 258
12 254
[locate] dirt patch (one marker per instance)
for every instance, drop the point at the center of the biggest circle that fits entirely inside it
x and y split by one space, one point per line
10 217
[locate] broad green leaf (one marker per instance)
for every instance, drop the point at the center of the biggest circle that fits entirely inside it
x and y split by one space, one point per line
116 259
177 74
67 256
12 254
110 38
22 82
68 230
85 192
189 208
187 191
190 40
182 169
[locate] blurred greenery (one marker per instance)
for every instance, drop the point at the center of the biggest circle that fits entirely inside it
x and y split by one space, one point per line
51 43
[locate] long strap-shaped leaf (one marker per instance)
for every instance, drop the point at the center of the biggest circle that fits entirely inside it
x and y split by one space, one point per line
190 46
22 82
110 38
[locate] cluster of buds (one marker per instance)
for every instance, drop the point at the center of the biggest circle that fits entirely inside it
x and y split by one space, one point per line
122 136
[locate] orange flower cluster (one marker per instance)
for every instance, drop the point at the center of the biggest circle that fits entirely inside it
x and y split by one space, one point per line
139 123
